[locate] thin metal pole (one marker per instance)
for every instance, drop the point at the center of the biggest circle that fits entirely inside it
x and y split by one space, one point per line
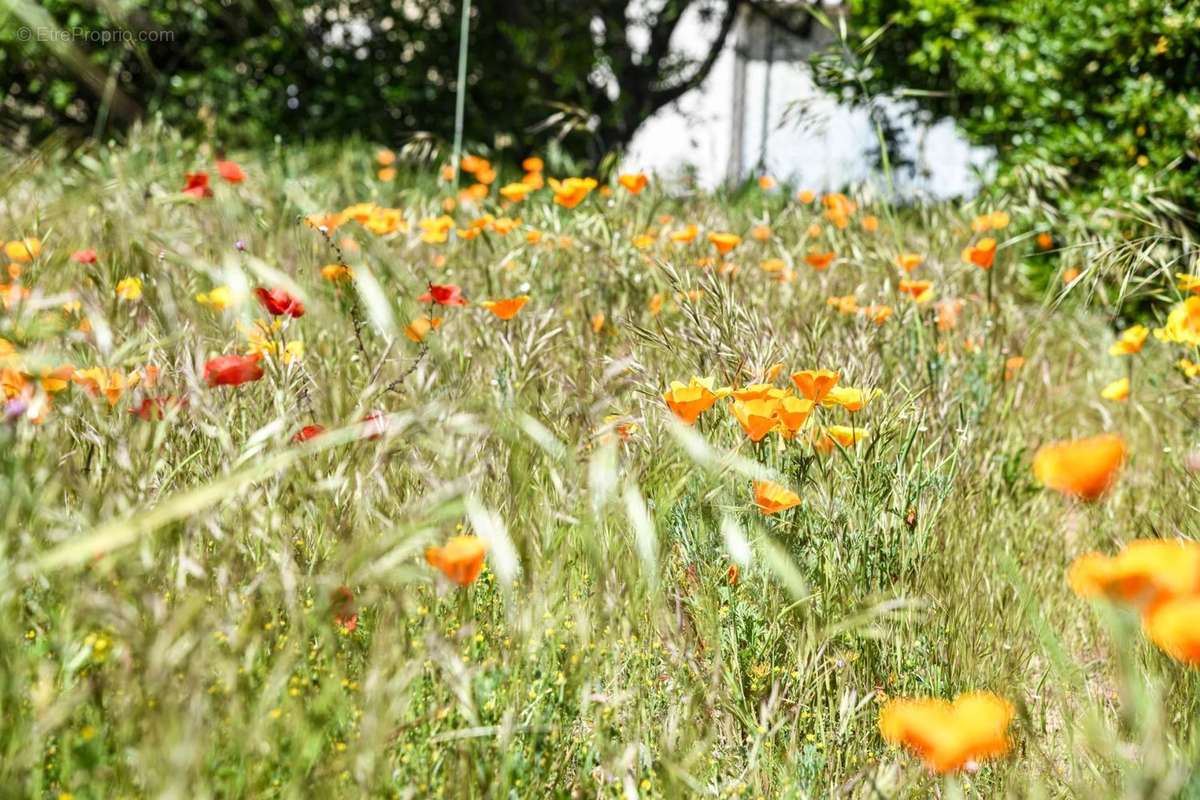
460 98
766 109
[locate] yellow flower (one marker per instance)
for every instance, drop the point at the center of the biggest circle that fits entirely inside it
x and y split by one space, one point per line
382 221
23 250
849 398
336 272
1118 390
219 299
1183 324
515 192
294 351
436 230
1188 283
110 383
1130 341
129 289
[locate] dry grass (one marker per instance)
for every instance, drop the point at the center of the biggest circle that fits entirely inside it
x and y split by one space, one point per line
167 586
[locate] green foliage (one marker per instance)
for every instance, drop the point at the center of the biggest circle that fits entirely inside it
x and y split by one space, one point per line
1108 92
242 71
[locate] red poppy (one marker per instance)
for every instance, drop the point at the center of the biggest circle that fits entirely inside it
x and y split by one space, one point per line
230 171
308 432
344 614
444 295
376 425
197 185
84 256
233 370
279 302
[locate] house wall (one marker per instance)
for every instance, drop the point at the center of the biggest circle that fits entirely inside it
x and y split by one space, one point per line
812 141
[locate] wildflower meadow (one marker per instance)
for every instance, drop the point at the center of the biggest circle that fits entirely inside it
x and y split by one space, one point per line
385 413
326 478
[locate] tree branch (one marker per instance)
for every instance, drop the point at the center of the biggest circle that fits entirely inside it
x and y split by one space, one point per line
662 97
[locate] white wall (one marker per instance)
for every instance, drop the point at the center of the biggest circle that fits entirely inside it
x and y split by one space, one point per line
812 141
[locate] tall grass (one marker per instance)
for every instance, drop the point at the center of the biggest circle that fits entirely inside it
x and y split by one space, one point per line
169 586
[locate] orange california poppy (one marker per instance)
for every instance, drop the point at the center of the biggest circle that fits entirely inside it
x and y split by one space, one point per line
419 327
385 157
870 223
815 383
1084 468
460 560
689 401
835 435
572 191
472 164
724 242
1045 241
792 412
981 254
1012 365
1130 341
772 372
949 737
757 417
766 182
533 164
1175 627
805 196
633 182
820 261
773 265
877 312
845 304
755 391
909 261
1146 572
771 498
507 308
760 233
686 234
920 291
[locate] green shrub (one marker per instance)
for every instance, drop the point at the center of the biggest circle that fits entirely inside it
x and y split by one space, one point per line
1108 92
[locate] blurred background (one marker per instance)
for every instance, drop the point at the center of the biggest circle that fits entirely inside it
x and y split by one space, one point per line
1085 102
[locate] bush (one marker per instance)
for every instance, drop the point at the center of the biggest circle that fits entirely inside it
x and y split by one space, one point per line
1107 91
